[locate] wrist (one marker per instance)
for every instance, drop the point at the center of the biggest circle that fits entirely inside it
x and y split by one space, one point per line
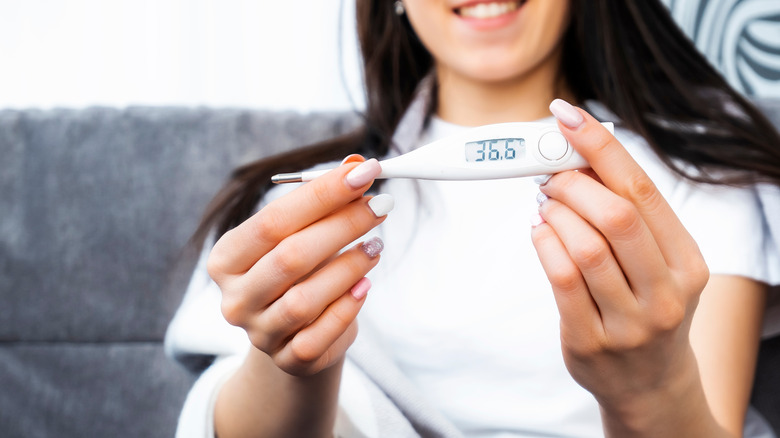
298 405
259 370
675 407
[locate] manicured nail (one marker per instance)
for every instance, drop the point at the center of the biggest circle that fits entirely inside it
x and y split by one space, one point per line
542 179
361 288
352 158
363 173
566 114
536 220
540 198
381 204
372 247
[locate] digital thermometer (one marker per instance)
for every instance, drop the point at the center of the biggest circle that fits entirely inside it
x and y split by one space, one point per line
503 150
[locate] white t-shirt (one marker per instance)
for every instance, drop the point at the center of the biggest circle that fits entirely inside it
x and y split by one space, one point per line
461 304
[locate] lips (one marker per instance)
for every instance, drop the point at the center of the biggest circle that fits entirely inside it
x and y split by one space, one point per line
486 10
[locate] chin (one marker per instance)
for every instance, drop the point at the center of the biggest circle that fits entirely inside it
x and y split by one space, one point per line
492 69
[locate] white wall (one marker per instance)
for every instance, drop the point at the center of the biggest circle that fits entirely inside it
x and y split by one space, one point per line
251 53
278 54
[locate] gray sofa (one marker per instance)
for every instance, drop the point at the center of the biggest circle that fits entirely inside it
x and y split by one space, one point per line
96 206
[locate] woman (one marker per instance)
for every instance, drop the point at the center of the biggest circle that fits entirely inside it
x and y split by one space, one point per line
632 309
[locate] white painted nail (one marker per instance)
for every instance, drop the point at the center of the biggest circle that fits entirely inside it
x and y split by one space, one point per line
381 204
566 114
542 179
364 173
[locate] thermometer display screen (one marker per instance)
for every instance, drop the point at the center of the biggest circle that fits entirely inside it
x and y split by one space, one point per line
498 149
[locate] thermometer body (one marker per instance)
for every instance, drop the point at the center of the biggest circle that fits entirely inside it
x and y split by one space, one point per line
504 150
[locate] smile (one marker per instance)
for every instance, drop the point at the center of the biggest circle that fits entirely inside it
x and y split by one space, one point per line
488 10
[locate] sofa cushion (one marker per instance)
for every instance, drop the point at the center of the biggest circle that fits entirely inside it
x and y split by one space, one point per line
97 205
90 390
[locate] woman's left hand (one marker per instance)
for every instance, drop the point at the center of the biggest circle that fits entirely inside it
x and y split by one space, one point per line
626 277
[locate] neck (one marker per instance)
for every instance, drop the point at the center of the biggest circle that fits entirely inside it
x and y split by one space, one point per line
464 101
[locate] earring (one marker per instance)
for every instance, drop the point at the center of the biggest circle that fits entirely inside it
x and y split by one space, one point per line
399 7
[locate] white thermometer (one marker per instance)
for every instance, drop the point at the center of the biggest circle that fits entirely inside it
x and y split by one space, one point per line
503 150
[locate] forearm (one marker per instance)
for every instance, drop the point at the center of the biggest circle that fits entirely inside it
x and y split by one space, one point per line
261 400
678 408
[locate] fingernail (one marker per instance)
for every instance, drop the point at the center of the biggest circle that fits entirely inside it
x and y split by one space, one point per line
566 114
381 204
542 179
361 288
540 198
352 158
372 247
536 220
363 173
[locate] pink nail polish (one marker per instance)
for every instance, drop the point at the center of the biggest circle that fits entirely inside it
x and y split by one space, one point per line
372 247
363 173
536 220
361 288
566 114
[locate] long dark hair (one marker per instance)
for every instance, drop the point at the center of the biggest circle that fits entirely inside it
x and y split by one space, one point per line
628 55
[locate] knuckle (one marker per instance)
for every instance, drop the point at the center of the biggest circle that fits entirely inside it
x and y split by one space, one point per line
353 223
322 194
304 350
564 180
356 264
293 311
233 311
698 275
602 140
262 341
580 348
216 265
268 226
218 262
632 337
669 315
342 317
591 254
620 218
641 189
289 259
565 280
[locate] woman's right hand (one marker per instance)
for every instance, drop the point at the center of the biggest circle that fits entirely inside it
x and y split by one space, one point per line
283 278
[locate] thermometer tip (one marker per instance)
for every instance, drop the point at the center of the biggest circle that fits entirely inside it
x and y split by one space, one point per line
287 178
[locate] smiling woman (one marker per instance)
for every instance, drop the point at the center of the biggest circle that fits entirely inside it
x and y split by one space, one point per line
632 307
493 47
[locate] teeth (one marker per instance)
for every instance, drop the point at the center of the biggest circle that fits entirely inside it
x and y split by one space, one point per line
488 10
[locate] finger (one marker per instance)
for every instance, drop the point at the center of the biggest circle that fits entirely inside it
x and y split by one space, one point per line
593 257
631 241
329 336
621 174
580 316
306 300
302 252
241 247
